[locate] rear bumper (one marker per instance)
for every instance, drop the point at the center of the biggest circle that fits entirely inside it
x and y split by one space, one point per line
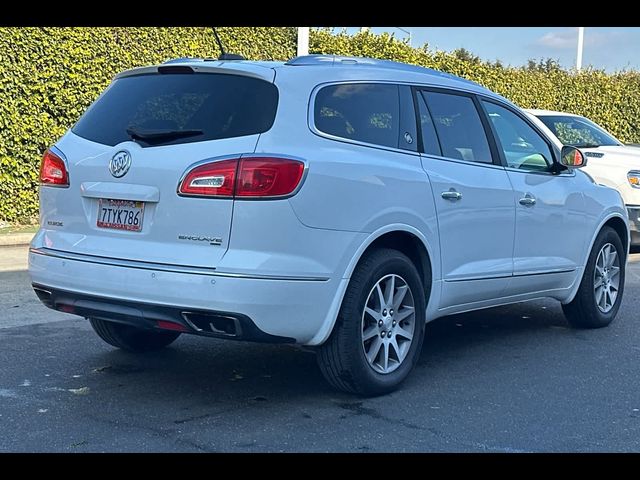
261 309
228 325
634 223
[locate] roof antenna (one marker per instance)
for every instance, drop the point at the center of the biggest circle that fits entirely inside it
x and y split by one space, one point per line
224 55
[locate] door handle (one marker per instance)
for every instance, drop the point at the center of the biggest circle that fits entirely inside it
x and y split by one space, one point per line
451 195
527 201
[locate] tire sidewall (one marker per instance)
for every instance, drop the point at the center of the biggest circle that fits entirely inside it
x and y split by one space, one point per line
352 318
607 235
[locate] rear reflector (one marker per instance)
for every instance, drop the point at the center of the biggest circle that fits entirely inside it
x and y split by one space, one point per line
66 308
251 177
53 171
171 326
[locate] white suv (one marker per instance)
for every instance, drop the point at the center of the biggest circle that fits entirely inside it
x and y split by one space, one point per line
327 201
611 163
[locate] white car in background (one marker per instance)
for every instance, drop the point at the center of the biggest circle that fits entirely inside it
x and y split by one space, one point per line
610 162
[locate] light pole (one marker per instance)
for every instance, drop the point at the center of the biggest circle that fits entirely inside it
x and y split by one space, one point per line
408 32
303 41
580 46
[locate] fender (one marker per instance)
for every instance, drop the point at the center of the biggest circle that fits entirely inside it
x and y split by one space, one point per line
332 315
576 286
394 227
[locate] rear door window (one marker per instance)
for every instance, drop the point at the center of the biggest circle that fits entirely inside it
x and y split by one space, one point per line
205 106
430 143
459 127
365 112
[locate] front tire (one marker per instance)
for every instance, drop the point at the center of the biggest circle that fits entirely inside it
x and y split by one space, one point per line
378 335
600 293
132 339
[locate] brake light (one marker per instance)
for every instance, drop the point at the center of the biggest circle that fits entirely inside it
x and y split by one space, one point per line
53 170
251 177
268 177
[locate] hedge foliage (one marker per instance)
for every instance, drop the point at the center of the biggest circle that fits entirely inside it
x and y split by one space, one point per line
48 76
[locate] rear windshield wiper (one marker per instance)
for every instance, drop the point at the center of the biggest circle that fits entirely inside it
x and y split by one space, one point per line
151 134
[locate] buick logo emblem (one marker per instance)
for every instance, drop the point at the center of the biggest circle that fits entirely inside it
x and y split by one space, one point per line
120 164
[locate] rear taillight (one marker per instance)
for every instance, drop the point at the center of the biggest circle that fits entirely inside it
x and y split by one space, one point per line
250 177
268 177
53 171
216 179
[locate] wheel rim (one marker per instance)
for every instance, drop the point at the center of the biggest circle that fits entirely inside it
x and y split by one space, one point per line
606 278
388 324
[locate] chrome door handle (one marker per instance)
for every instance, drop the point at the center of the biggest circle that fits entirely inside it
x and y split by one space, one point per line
528 201
451 195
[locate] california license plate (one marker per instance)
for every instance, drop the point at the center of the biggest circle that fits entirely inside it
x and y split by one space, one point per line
120 214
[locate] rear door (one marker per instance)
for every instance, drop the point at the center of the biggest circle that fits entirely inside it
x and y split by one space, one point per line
472 195
128 153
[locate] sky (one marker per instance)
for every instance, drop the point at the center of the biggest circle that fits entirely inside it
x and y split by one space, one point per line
609 48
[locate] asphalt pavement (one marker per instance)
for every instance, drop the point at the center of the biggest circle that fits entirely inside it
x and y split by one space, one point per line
508 379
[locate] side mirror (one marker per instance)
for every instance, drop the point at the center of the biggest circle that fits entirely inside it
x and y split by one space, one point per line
572 157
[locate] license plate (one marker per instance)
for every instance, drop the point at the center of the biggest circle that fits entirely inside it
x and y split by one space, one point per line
120 214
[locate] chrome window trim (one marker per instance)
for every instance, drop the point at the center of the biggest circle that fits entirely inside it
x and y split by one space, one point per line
480 96
312 124
318 87
569 173
463 162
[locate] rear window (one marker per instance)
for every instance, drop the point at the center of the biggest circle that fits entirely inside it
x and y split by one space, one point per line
210 106
366 112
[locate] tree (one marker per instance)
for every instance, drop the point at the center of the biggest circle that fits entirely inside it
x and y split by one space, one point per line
465 55
544 65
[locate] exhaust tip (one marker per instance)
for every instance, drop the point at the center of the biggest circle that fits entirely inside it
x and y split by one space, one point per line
44 296
213 324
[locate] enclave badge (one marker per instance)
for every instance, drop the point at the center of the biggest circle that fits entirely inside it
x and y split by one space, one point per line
199 238
120 163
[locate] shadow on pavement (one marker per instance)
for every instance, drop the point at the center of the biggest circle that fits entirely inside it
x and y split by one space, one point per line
200 370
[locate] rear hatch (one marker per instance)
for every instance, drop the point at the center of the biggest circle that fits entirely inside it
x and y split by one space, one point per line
129 151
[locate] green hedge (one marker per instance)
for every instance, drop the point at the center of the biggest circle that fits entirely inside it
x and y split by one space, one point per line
48 76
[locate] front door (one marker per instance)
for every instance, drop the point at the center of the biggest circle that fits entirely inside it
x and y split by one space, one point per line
550 222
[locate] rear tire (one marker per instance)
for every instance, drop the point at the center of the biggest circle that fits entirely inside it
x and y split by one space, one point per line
600 293
378 335
130 338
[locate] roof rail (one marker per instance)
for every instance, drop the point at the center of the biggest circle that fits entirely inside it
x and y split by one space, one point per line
331 59
339 60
